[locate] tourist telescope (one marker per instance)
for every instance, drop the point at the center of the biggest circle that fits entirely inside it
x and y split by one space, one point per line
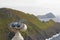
16 27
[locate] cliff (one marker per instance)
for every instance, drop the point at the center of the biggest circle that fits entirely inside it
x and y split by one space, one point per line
37 30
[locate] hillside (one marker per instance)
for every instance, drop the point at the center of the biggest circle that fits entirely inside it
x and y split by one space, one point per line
37 30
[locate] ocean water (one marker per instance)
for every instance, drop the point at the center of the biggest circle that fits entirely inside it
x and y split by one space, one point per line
57 36
57 19
54 37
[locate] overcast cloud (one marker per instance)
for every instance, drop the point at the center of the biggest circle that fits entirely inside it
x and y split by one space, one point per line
36 7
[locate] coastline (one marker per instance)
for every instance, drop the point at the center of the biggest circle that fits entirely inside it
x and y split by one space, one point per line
54 36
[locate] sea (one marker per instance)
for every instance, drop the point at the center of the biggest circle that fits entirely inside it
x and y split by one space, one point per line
57 19
57 36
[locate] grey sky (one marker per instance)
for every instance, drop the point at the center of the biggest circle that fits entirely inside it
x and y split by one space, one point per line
36 7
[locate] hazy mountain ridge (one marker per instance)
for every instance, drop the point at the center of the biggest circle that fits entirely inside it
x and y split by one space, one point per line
48 15
37 30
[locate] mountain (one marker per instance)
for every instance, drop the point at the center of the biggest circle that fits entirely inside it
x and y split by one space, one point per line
48 15
37 30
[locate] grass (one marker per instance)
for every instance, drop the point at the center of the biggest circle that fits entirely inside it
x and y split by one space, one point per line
33 23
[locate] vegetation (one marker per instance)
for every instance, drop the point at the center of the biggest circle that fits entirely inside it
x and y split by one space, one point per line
35 26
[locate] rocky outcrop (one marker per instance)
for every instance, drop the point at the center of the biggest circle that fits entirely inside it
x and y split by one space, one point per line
36 30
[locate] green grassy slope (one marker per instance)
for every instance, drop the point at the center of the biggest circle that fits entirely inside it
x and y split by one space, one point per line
34 24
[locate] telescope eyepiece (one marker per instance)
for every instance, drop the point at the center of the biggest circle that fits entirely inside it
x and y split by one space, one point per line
12 25
15 25
18 26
